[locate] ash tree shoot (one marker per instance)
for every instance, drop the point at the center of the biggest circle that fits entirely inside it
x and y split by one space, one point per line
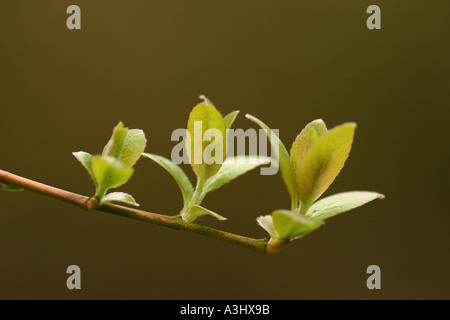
316 157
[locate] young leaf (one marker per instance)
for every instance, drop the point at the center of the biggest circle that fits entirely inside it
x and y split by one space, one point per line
283 159
323 162
119 197
197 211
177 173
196 142
9 187
114 146
85 159
233 168
266 223
229 119
125 145
109 173
206 100
291 225
340 202
133 146
310 134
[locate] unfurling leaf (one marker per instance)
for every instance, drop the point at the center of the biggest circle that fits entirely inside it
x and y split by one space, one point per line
283 159
339 203
266 223
125 145
229 119
206 140
310 134
323 162
114 167
85 159
109 173
133 147
291 225
197 211
177 173
206 100
114 146
233 168
120 197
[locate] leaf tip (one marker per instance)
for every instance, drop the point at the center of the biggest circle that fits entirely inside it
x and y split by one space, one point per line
352 124
235 112
205 100
251 118
319 120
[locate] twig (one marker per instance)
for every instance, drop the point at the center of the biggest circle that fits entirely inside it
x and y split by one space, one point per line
174 222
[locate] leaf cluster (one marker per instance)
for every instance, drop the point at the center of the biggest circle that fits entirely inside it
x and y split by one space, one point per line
316 157
114 167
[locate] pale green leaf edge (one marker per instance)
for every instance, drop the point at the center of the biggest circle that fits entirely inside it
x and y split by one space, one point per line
177 173
292 225
341 202
284 160
85 159
232 168
229 118
197 211
120 197
266 223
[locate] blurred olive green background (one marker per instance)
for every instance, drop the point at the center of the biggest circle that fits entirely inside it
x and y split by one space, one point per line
286 62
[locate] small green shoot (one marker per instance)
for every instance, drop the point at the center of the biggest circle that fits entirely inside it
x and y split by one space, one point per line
114 167
206 145
316 158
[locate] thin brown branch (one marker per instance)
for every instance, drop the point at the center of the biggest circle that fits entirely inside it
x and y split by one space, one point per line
174 222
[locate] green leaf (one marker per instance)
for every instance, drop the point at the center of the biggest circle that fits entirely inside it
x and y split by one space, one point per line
10 187
233 168
85 159
120 197
109 173
209 118
114 146
133 147
283 159
266 222
310 134
340 202
291 225
229 118
197 211
177 173
206 100
323 162
125 145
